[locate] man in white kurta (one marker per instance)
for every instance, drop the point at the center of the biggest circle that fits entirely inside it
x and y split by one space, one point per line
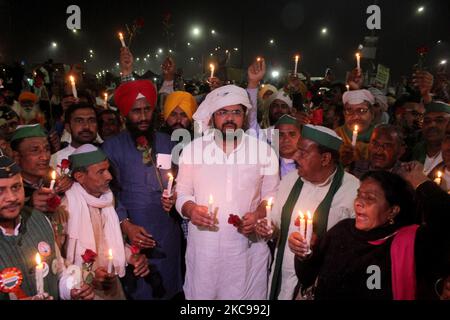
222 263
311 196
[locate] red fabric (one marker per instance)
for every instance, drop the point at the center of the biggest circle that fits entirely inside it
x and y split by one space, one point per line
126 95
403 264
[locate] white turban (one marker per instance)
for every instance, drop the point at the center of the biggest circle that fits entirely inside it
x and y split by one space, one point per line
282 96
265 89
358 97
380 98
218 99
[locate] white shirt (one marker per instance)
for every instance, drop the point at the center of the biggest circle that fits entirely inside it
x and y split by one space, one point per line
221 265
16 231
61 155
431 163
310 198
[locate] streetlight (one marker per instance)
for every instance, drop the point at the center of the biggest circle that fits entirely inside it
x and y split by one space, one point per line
196 31
213 32
324 31
236 49
160 51
421 9
189 44
192 58
54 45
275 74
443 62
74 30
271 41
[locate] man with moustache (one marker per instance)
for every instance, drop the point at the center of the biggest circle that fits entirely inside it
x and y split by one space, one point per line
136 155
428 152
224 261
81 123
178 110
290 132
386 147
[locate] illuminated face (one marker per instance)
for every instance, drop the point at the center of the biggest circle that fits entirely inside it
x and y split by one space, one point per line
12 198
358 115
141 115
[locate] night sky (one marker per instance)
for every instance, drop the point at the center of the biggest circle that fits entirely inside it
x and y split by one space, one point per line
29 27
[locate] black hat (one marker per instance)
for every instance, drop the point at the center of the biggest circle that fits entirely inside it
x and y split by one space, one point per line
8 167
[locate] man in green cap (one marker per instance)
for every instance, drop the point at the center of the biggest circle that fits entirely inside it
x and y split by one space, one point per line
428 152
93 224
320 187
25 236
289 130
31 151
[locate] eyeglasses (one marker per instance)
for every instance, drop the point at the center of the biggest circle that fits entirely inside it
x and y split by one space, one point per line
224 113
359 111
439 121
384 146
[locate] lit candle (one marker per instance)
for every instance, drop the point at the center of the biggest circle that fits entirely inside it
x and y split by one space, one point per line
211 66
39 275
348 87
297 58
210 204
438 179
122 40
106 100
52 184
269 213
309 230
110 262
358 61
74 87
355 136
302 224
170 185
258 59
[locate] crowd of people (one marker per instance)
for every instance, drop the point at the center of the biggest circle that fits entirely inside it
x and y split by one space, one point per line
174 190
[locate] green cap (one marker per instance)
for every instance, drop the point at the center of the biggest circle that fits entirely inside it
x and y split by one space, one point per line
437 106
85 156
287 119
32 131
322 136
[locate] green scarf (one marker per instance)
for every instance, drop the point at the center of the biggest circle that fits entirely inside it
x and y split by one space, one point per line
362 137
320 223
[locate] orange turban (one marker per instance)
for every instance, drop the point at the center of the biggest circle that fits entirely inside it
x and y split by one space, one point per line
184 100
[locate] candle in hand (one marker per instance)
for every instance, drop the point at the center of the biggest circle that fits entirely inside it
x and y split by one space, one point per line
269 213
211 66
358 61
170 185
106 100
302 225
122 39
74 87
110 262
355 136
348 87
297 59
438 179
210 204
39 275
52 183
309 230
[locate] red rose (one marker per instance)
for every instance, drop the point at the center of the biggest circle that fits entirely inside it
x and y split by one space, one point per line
317 118
89 256
309 96
135 250
422 50
65 164
235 220
140 22
142 142
53 203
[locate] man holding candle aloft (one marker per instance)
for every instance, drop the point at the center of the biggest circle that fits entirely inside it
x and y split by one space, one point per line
358 126
320 187
24 234
136 155
222 262
93 224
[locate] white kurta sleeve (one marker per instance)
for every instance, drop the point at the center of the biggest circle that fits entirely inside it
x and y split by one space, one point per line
185 180
271 174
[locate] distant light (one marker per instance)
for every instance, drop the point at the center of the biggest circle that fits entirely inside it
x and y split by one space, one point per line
213 31
91 56
54 44
155 79
421 9
170 51
160 50
271 41
211 54
236 49
192 58
443 62
196 31
117 64
148 56
91 51
275 74
324 31
189 44
439 42
360 47
137 59
226 51
145 59
156 56
74 30
85 61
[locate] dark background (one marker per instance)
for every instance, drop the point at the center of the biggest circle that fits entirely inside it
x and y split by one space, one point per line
29 27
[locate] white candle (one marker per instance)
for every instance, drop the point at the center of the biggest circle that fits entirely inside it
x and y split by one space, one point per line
438 179
211 66
39 275
106 100
355 136
297 58
210 204
52 183
74 88
358 61
269 213
170 185
302 227
348 87
309 230
122 40
110 261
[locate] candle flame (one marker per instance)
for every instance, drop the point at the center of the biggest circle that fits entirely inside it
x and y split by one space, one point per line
356 128
211 199
170 176
358 55
53 175
38 259
211 66
106 96
120 35
297 58
110 253
269 204
439 174
302 215
258 59
310 216
72 79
